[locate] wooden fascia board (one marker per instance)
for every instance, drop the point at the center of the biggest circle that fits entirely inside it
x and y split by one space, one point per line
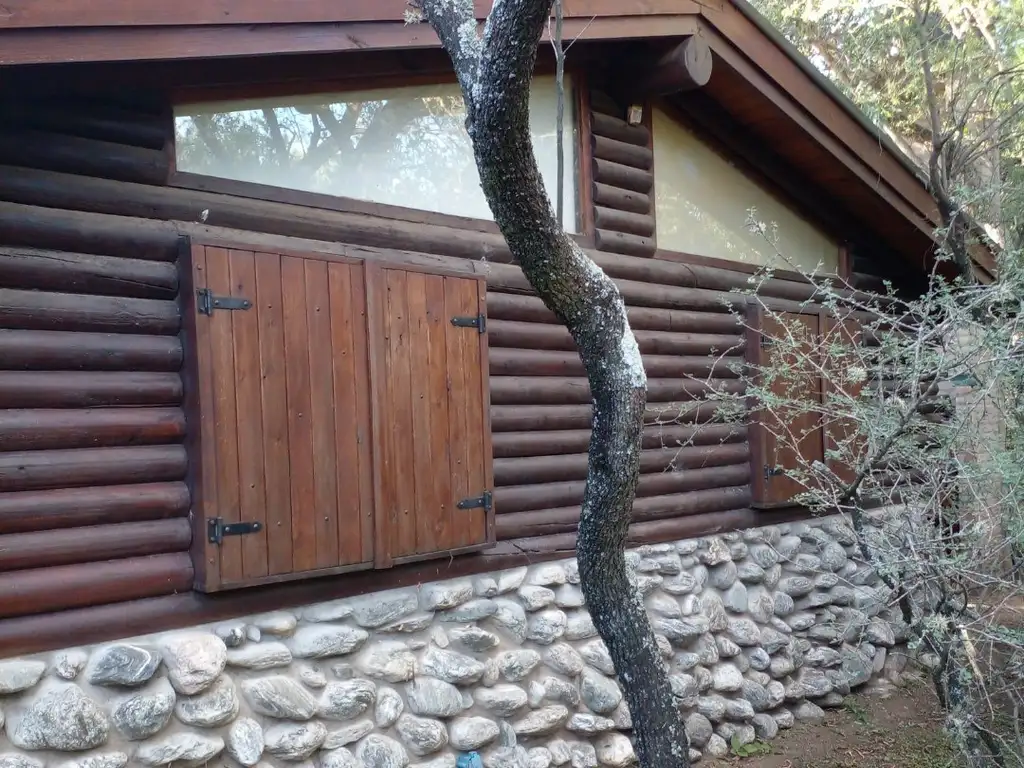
142 43
35 14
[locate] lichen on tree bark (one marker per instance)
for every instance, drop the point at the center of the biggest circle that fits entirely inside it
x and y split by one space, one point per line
494 74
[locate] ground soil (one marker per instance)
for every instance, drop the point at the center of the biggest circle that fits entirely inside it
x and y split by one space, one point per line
901 730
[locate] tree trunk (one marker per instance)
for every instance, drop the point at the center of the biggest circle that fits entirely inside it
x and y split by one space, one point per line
495 75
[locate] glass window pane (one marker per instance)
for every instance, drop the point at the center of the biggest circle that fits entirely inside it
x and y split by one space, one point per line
702 203
400 146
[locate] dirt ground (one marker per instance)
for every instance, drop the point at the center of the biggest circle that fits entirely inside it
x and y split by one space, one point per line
901 731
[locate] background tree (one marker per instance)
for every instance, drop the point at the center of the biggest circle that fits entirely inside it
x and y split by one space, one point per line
494 73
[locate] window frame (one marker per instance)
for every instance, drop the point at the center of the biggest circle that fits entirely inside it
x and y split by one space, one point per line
575 113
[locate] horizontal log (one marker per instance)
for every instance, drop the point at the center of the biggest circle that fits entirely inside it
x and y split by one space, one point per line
604 103
41 311
541 336
74 468
39 429
528 362
90 121
622 152
79 507
542 522
556 469
70 230
42 590
622 176
45 549
65 272
563 390
62 389
684 67
621 242
89 157
621 199
512 444
69 351
560 417
618 129
511 306
520 498
640 224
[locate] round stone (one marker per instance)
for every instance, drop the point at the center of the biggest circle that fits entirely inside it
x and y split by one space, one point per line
294 741
422 736
470 733
245 741
142 714
193 660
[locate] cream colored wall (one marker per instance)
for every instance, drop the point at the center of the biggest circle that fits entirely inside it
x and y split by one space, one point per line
703 206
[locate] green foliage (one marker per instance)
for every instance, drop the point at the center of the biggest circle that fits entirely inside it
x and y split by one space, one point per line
856 710
755 748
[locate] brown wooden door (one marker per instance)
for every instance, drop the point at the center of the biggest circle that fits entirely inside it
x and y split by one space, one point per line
431 414
285 433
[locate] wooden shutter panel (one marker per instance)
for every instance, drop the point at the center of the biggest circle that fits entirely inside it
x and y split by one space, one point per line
842 434
284 434
431 415
790 439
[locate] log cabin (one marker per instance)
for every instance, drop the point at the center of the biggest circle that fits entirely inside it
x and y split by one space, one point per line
263 352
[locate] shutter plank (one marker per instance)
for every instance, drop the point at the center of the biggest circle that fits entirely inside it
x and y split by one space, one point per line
424 464
444 520
400 417
458 407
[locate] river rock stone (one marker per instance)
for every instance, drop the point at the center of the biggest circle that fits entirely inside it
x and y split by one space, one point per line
584 723
749 572
510 616
260 656
878 632
472 733
294 741
193 660
717 746
569 596
142 714
349 734
546 627
68 665
11 760
340 758
440 597
120 664
534 598
579 626
501 700
614 750
601 694
542 721
796 586
377 751
517 665
245 741
809 712
388 660
421 736
333 610
507 757
744 632
717 552
60 717
722 576
735 598
698 729
772 640
279 696
214 707
451 667
583 755
432 697
855 665
388 707
346 699
106 760
375 611
727 678
799 622
188 748
475 638
322 640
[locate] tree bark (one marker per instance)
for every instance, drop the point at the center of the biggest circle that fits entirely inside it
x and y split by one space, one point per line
494 74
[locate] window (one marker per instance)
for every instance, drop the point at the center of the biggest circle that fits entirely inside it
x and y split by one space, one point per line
343 416
400 146
702 203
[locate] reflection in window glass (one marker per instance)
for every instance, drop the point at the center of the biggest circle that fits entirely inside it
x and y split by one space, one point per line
402 146
702 203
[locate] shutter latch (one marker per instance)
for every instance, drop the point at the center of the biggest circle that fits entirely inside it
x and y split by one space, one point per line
479 322
486 502
206 302
217 529
770 472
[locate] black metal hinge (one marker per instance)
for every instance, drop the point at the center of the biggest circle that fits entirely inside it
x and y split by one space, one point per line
770 472
766 341
486 502
217 529
479 322
206 302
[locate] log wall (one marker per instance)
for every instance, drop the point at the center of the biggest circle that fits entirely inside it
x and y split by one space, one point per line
94 466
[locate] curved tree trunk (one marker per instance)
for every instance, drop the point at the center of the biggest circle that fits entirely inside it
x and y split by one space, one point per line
495 75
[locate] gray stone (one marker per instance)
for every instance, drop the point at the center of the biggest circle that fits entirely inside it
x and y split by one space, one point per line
722 576
475 638
738 709
726 647
547 575
833 556
187 748
560 754
814 683
783 718
474 610
346 699
245 741
744 632
758 658
589 724
664 605
485 586
825 580
681 584
538 757
601 694
763 555
471 733
512 579
120 664
279 696
447 760
421 736
707 650
796 586
511 616
809 712
579 626
717 552
322 640
614 750
388 707
878 632
783 604
855 665
281 623
547 626
831 700
69 664
801 621
436 698
782 665
776 693
335 610
451 667
711 606
501 700
517 665
804 564
312 676
735 598
193 660
294 741
340 758
664 646
726 678
260 656
772 576
765 727
383 608
61 717
388 660
11 760
712 707
507 757
698 729
773 641
542 721
440 597
534 598
717 746
106 760
760 604
214 707
583 755
377 751
822 656
749 572
684 688
564 659
681 631
143 713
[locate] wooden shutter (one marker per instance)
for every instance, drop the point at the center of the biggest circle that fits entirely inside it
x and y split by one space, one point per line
429 362
283 471
803 439
840 432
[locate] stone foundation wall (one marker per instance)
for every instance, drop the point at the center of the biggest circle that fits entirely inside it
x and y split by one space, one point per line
759 629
